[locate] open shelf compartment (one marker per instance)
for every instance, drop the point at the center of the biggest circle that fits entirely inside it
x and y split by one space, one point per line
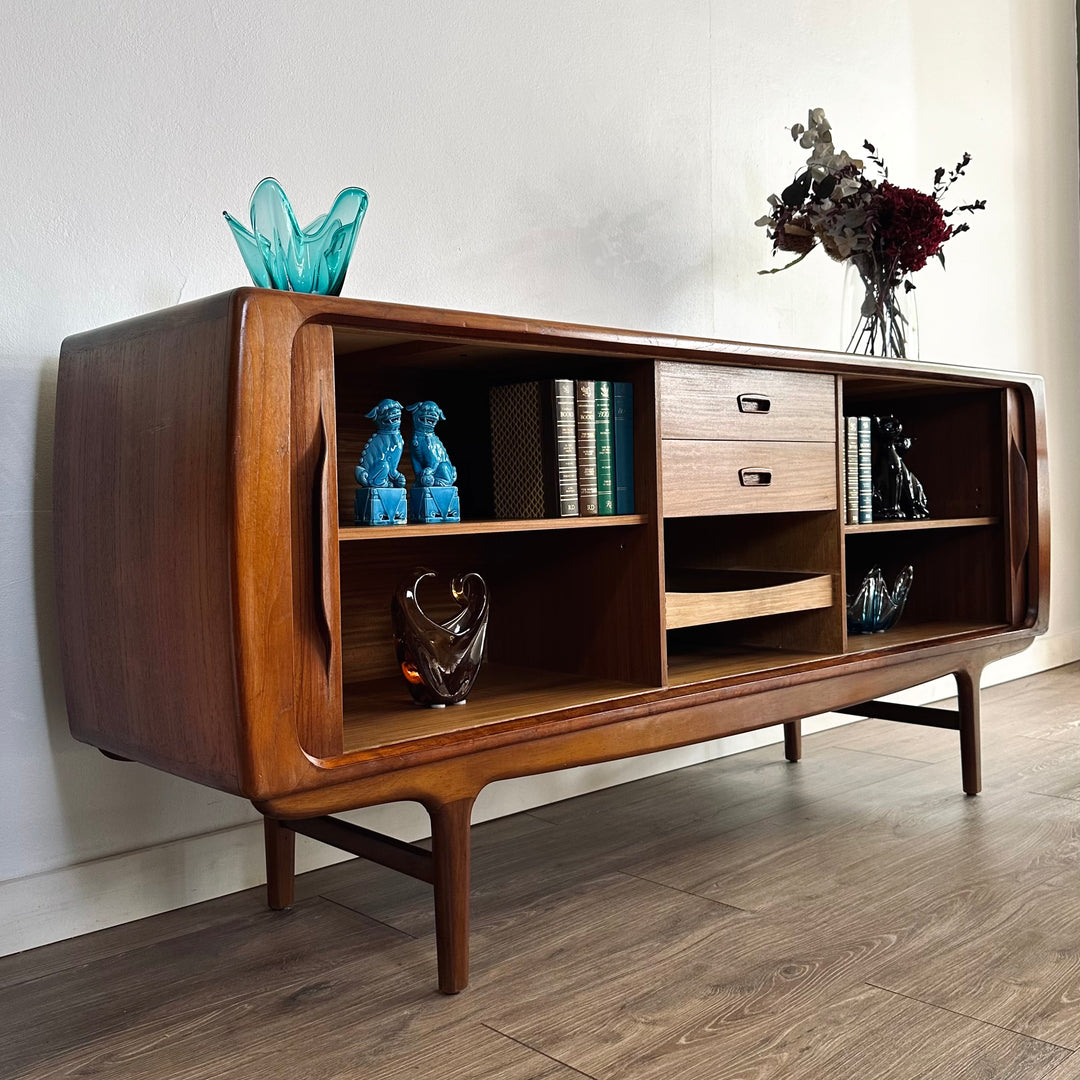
379 714
575 603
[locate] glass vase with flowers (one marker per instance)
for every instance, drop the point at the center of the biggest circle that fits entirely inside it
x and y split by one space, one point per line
884 233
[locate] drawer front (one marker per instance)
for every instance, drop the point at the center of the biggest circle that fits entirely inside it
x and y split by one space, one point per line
705 477
699 401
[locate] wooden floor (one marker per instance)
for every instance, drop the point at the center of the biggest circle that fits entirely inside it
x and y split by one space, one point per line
851 916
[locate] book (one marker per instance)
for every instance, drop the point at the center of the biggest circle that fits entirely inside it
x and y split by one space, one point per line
622 435
866 511
534 449
585 411
566 447
851 469
605 461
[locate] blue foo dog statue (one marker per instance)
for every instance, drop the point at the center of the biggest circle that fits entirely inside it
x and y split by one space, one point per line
380 497
433 499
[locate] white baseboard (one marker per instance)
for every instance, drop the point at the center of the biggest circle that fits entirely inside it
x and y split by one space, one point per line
89 896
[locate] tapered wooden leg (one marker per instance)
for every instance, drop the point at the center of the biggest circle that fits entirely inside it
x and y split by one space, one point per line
280 864
450 848
793 740
967 693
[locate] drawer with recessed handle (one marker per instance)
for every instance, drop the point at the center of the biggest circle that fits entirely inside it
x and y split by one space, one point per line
701 477
703 401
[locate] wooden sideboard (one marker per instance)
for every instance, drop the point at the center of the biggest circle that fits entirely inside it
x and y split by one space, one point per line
221 617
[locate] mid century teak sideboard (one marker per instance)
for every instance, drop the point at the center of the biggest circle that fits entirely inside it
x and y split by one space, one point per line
223 619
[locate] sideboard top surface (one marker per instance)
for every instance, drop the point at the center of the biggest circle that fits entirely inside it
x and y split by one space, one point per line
362 325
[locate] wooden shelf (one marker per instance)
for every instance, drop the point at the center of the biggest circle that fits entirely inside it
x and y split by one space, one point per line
722 662
380 714
925 523
726 661
698 598
913 633
471 528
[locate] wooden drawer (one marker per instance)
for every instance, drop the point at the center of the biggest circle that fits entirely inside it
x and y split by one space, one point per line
710 477
701 401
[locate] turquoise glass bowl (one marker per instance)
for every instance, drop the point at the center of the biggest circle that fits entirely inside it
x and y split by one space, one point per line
281 255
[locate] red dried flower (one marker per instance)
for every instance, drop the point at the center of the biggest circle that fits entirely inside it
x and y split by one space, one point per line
908 227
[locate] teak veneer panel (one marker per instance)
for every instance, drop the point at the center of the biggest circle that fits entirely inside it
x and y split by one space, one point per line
695 608
922 524
703 402
142 533
704 477
376 715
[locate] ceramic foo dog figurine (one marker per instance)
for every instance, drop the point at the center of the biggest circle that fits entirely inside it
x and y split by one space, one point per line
433 498
380 498
897 493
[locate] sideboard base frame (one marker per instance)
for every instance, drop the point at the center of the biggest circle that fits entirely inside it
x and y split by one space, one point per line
447 865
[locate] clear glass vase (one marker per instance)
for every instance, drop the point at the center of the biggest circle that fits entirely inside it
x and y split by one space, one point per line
879 315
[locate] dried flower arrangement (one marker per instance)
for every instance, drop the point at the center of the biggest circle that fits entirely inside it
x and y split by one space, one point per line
886 232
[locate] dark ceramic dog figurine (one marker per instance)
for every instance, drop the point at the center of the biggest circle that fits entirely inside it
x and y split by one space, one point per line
897 493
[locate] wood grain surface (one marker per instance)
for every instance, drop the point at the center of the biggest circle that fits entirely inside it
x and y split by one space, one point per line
848 917
703 477
695 608
700 402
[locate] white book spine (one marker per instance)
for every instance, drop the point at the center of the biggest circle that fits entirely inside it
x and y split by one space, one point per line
866 511
851 468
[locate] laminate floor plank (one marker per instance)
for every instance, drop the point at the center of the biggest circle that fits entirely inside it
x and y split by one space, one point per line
183 980
766 997
515 861
1049 701
1018 966
75 952
890 738
836 848
715 787
1068 1069
341 1034
377 1015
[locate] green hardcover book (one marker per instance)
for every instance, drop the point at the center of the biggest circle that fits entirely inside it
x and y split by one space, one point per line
605 453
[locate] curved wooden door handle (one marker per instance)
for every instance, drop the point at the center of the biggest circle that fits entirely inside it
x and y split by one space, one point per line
1019 506
322 539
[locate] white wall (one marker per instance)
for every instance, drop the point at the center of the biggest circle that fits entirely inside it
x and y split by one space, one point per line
586 161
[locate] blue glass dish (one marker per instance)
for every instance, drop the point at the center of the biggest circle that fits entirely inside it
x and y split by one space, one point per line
877 608
281 255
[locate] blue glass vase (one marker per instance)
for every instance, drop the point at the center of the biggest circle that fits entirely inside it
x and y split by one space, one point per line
281 255
876 608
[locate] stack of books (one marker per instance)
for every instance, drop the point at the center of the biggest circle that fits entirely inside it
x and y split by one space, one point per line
857 471
562 448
